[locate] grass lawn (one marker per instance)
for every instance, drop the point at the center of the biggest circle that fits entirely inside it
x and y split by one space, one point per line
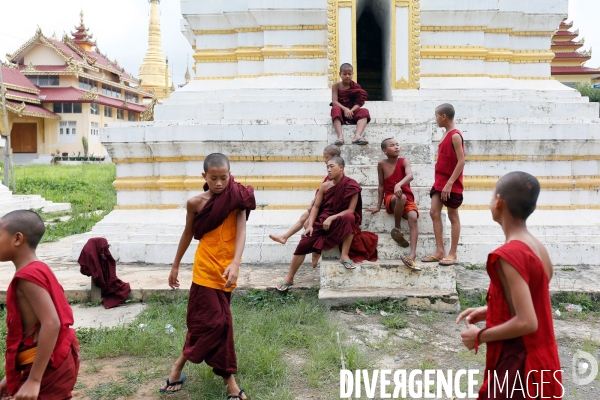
282 343
87 187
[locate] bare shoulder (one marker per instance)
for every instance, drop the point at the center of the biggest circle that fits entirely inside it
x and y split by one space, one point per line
381 164
545 257
326 185
406 163
196 203
336 85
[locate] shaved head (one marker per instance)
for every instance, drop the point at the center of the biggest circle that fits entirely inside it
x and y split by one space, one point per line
338 160
333 150
345 65
217 160
385 142
520 191
27 222
446 109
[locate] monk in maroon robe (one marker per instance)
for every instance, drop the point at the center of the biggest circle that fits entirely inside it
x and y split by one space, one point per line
348 98
337 209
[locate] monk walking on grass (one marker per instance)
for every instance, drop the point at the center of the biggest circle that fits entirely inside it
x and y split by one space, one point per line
42 352
522 354
217 218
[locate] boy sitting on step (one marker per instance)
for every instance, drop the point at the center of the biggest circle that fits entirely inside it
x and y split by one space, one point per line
394 191
346 106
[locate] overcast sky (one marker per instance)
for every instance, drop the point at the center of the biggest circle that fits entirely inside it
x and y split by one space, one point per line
121 28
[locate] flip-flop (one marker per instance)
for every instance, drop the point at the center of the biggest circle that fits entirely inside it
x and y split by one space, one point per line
236 396
447 262
171 384
430 258
348 264
410 263
284 285
398 236
360 141
339 142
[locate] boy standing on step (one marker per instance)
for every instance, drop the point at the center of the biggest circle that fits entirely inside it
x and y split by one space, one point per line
394 192
521 346
217 218
448 185
42 352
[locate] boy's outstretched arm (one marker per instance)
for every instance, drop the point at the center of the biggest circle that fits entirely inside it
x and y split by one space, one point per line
457 143
233 270
40 303
380 190
408 178
524 321
184 242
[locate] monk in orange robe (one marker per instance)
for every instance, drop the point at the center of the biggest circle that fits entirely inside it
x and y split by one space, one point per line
217 218
42 352
521 346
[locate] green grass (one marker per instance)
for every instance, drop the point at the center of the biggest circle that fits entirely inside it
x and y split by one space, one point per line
475 267
87 187
268 329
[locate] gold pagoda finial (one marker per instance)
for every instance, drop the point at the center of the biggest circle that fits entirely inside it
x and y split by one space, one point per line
81 17
154 69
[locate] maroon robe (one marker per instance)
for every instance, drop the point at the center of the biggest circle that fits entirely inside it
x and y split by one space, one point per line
235 197
335 200
96 261
355 96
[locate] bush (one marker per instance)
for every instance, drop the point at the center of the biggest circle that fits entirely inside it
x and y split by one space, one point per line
586 90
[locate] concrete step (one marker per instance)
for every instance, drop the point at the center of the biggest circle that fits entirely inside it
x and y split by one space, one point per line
389 279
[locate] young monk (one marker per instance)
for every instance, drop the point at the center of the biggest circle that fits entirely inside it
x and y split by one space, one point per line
347 99
330 151
217 218
332 220
519 331
42 352
394 191
448 185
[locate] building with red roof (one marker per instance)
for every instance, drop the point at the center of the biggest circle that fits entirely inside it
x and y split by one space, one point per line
62 91
568 65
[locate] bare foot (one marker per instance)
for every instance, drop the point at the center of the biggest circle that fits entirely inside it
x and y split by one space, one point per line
315 259
233 389
278 238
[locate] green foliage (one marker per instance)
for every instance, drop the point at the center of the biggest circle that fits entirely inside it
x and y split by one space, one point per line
475 267
587 302
397 321
470 300
374 307
84 141
586 90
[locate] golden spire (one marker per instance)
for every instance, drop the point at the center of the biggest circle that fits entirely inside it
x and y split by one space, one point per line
154 68
187 75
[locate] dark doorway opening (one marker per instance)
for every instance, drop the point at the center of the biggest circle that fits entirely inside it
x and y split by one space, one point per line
369 55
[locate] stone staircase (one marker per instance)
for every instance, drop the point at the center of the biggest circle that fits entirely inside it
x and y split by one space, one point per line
10 202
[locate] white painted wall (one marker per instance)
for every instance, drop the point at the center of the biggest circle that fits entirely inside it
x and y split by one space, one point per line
345 31
402 43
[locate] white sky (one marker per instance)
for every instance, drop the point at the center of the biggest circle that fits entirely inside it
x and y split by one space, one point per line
121 28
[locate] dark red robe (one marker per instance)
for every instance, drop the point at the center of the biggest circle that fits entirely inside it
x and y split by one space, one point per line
355 96
530 353
96 261
61 373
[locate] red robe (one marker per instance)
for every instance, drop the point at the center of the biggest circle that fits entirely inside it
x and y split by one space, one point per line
391 181
61 373
355 96
539 349
96 261
446 162
235 197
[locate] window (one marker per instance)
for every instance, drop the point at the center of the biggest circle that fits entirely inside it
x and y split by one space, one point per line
120 114
130 116
86 83
95 132
94 109
131 97
108 111
109 90
66 108
67 131
44 80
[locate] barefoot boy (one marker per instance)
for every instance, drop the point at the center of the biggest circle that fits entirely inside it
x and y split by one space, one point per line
519 331
42 352
394 191
217 218
330 151
332 220
448 185
347 99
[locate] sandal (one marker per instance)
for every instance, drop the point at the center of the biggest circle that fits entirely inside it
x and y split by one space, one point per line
171 384
410 263
430 258
348 264
236 396
360 141
339 142
398 236
284 286
447 262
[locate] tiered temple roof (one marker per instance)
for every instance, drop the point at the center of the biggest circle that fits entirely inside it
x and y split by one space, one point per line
569 60
22 96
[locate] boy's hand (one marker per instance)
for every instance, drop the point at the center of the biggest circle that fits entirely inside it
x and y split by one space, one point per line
472 315
374 210
327 223
348 113
232 272
173 281
3 388
446 191
308 231
469 336
29 391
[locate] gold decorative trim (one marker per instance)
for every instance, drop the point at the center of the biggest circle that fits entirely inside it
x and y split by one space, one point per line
219 78
215 32
499 55
332 42
414 50
532 33
179 183
508 31
556 183
344 3
115 84
402 3
21 111
21 98
215 56
30 69
451 28
148 114
214 78
246 30
294 52
249 53
540 158
90 95
539 207
532 56
12 57
182 206
483 53
455 76
231 158
295 27
21 88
